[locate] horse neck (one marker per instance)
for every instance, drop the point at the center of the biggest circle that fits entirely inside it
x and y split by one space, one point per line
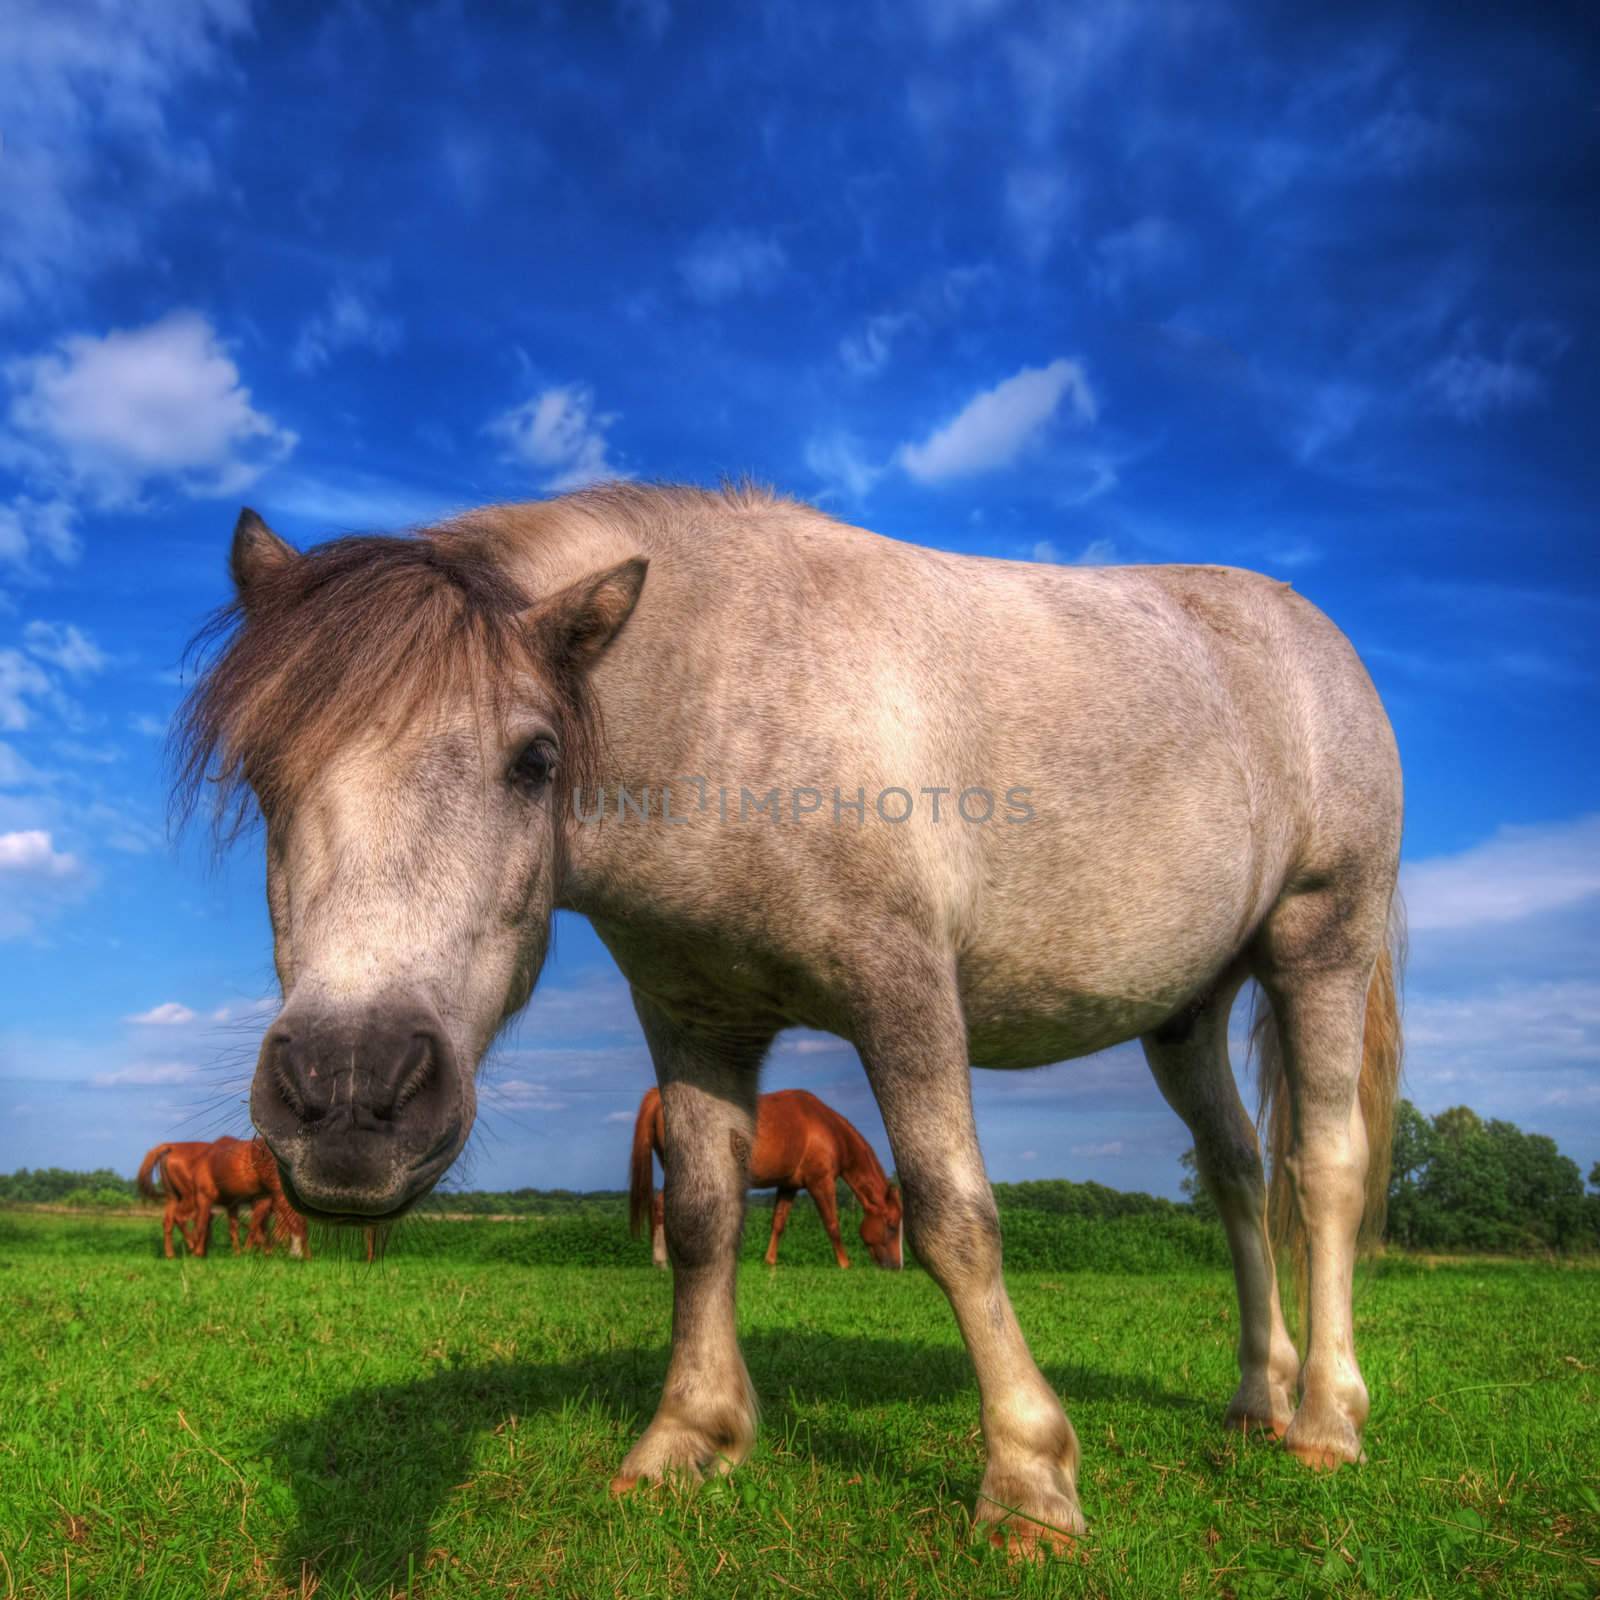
859 1166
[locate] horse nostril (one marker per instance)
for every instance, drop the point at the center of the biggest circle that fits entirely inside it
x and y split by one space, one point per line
416 1072
283 1076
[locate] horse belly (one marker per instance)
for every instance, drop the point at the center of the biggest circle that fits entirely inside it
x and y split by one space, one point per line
1083 961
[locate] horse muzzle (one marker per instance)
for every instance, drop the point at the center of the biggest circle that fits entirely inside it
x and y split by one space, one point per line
363 1112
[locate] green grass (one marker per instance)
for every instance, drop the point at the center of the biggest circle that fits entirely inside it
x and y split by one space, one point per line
444 1424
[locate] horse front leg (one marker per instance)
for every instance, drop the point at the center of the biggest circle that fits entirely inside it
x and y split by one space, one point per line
827 1204
913 1042
706 1420
780 1220
1189 1059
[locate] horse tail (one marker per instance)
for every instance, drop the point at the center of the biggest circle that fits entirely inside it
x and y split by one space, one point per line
151 1191
641 1168
1377 1090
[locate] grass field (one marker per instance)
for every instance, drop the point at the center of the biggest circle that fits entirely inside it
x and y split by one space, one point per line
444 1423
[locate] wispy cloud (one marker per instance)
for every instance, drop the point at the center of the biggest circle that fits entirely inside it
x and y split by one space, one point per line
731 261
350 320
559 432
1471 386
996 426
31 526
838 460
1517 873
169 1014
153 1074
89 88
1039 203
65 646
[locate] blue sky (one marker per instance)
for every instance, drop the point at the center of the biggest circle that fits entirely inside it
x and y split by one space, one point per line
1100 282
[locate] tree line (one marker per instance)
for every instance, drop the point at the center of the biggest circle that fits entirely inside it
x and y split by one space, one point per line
1460 1182
1457 1182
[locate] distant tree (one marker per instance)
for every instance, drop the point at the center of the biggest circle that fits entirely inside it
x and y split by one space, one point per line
1193 1186
1460 1183
1415 1145
1594 1176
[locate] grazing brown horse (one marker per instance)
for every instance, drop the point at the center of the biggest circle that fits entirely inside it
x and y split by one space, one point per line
236 1172
232 1173
167 1172
800 1144
959 812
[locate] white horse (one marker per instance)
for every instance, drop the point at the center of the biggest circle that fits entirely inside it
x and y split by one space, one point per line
956 811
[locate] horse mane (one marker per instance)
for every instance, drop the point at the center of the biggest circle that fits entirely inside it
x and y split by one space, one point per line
380 626
859 1158
357 630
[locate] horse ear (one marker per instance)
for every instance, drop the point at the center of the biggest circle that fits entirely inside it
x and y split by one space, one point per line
578 622
256 554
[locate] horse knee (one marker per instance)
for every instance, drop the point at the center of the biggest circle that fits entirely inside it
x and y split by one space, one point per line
955 1235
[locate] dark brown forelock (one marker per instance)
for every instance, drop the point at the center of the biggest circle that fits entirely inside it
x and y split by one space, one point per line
356 633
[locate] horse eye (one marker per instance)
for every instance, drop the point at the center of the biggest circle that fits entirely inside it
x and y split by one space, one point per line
533 766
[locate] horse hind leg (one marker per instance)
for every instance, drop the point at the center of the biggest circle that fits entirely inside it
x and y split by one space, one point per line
1315 958
658 1229
1189 1058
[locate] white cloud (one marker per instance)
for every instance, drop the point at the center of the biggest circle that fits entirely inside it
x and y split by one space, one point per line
1141 251
1111 1147
1039 201
731 261
139 405
522 1094
1469 385
620 1116
86 85
836 458
559 432
29 525
867 353
357 500
994 427
169 1014
31 853
15 772
64 646
349 321
21 682
1328 414
945 18
650 17
1097 553
810 1044
1518 872
146 1075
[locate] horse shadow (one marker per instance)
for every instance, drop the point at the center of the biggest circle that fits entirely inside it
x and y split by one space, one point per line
384 1459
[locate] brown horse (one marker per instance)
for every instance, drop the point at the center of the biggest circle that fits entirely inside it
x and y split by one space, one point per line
800 1144
167 1172
236 1172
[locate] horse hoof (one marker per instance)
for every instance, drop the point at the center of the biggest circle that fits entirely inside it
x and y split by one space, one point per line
1326 1448
1031 1541
1248 1422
